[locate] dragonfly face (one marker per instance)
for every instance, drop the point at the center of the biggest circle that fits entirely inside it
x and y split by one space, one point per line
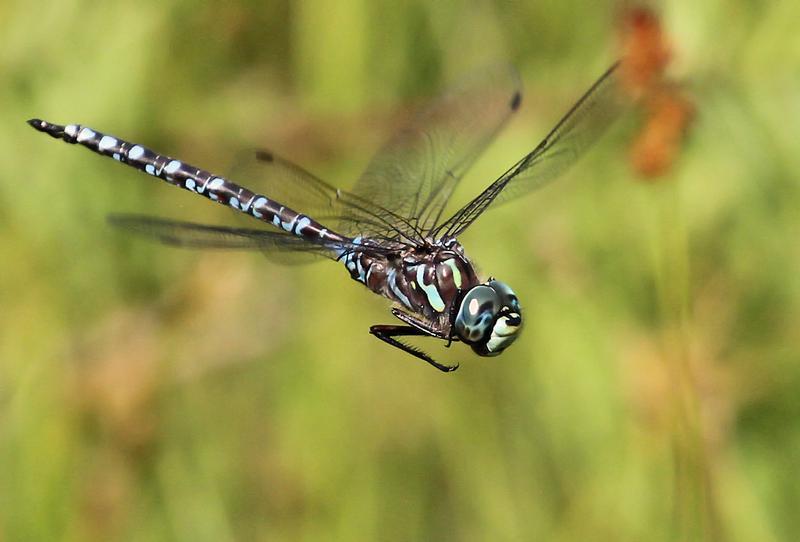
489 318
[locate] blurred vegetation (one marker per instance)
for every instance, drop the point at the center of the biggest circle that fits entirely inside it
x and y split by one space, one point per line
148 393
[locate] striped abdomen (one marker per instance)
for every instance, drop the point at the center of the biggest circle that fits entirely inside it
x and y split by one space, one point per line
193 179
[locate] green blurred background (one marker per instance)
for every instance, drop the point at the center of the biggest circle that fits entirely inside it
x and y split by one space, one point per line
149 393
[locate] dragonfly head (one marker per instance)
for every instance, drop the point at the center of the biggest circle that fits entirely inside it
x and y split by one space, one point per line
489 318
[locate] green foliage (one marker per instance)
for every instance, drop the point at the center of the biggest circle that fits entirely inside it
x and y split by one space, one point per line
154 394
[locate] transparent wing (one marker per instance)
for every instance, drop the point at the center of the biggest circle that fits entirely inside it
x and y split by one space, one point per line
193 235
282 180
414 174
583 124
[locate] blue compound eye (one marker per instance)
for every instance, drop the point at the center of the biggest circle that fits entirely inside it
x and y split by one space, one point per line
477 313
489 318
506 295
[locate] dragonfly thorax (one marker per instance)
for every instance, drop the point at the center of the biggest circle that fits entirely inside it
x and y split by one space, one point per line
427 281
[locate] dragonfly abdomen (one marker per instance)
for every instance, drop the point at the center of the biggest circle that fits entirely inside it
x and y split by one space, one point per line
193 179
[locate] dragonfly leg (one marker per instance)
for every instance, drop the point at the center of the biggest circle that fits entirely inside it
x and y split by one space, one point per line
387 334
413 321
453 310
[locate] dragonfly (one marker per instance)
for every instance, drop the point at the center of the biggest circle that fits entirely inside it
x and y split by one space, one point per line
389 231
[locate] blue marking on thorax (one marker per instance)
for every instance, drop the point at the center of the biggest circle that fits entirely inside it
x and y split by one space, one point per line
392 278
434 298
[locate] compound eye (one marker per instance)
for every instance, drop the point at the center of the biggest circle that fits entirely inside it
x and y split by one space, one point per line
477 314
506 295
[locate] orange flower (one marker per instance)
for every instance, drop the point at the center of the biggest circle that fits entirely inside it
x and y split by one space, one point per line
645 49
658 144
666 111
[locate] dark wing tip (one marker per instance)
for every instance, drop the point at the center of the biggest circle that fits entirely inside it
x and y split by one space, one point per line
265 156
516 100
